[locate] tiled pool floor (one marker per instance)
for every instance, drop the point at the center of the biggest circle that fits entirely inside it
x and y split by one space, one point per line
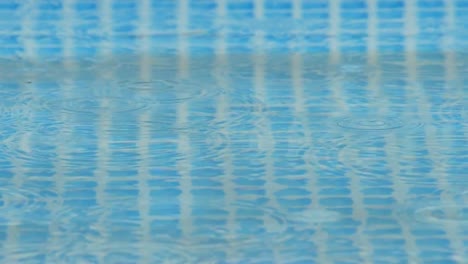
234 159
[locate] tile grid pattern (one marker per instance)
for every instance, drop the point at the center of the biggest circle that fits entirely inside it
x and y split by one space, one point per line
119 22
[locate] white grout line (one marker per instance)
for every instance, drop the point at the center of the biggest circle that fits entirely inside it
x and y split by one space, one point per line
59 176
265 139
374 83
182 26
373 86
300 108
27 30
334 30
312 184
104 122
449 40
68 20
12 231
183 165
430 134
143 142
372 32
264 136
372 57
411 66
359 212
438 171
221 110
106 26
101 170
335 54
456 240
259 9
400 189
297 9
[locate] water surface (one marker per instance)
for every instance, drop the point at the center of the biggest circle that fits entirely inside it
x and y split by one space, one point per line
299 158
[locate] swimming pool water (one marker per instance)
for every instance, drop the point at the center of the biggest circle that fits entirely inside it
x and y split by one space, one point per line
233 132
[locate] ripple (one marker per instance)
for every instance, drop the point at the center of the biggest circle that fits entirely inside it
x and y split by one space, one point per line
110 233
324 154
106 231
443 214
312 217
451 111
19 205
8 125
431 209
170 255
96 105
377 159
35 152
245 116
274 70
14 92
208 145
239 69
169 122
215 139
90 241
91 37
15 113
113 233
254 225
83 145
348 254
370 123
173 79
35 215
171 91
26 252
121 254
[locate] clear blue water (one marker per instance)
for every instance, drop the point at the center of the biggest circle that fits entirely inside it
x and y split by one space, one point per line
274 158
299 132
